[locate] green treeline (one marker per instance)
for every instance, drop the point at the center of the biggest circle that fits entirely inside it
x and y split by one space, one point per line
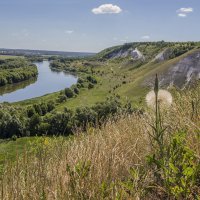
43 119
16 70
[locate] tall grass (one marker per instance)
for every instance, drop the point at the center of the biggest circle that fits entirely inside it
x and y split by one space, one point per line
105 163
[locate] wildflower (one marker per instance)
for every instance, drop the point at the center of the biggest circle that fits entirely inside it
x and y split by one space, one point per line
164 98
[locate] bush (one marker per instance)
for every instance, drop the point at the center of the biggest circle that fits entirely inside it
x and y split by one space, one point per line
76 90
61 98
14 137
84 116
90 86
60 123
79 85
80 81
69 93
91 79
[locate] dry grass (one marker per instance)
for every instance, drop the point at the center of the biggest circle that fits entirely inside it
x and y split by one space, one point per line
95 164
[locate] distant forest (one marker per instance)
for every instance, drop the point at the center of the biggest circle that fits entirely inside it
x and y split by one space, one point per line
16 70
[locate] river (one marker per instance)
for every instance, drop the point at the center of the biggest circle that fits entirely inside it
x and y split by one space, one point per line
48 81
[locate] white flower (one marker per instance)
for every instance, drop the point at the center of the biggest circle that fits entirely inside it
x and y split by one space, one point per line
164 98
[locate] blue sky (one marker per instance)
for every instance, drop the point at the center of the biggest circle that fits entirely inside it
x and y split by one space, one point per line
92 25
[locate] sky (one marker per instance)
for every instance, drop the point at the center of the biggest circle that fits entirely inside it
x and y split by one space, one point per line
92 25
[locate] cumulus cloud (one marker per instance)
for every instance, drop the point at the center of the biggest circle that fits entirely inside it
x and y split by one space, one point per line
107 9
182 15
69 31
145 37
183 12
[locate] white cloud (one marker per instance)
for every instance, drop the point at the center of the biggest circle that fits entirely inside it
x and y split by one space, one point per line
182 15
107 9
183 12
145 37
69 31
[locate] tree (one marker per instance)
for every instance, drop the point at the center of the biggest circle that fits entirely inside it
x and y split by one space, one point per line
69 93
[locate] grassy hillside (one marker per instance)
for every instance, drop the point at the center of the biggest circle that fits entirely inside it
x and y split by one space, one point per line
125 79
117 149
121 160
10 149
121 76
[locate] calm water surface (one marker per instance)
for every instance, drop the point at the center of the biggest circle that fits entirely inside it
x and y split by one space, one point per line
48 81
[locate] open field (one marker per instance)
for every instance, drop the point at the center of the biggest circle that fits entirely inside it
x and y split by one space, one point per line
3 57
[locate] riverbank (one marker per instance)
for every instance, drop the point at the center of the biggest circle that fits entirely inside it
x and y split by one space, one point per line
47 82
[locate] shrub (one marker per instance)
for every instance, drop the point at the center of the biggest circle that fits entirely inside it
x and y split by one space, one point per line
80 81
76 90
79 85
14 137
91 79
61 98
69 93
84 116
90 86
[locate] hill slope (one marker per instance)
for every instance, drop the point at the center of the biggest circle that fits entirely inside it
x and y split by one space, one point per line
177 63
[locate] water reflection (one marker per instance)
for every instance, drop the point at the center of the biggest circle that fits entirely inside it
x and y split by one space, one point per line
13 87
48 81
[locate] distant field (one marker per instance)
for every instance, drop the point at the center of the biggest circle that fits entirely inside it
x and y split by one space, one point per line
3 57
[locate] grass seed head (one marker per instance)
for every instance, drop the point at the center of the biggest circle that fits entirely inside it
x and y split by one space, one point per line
164 98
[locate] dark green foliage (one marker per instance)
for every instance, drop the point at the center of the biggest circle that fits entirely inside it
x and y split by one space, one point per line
34 124
62 64
90 86
61 98
41 108
60 123
30 111
79 85
80 81
69 93
76 90
16 70
40 118
91 79
35 58
14 137
10 125
84 116
181 48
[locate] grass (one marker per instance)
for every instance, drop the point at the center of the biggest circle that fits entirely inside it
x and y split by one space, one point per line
103 163
3 57
106 163
9 148
115 72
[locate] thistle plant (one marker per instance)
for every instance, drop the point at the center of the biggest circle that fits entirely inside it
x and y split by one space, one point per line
157 99
175 165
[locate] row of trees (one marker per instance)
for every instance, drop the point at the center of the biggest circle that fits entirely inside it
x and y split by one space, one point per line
16 70
42 119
